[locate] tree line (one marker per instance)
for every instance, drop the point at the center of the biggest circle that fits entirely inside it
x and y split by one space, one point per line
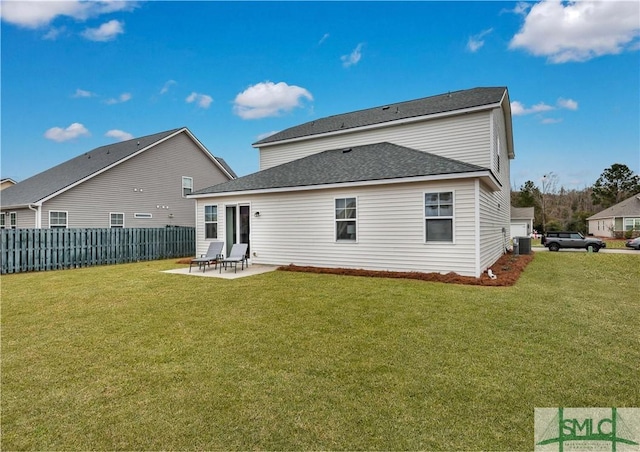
557 208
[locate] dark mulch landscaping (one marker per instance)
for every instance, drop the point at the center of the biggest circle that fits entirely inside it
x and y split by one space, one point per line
507 270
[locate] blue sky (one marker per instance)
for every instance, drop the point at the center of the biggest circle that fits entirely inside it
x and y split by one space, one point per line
78 75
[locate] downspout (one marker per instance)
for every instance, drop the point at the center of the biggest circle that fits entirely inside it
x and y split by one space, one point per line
36 209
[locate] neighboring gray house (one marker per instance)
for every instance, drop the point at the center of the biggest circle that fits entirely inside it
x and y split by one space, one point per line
521 221
143 182
421 186
622 217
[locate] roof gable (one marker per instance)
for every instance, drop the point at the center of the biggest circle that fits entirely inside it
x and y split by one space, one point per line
65 175
630 207
443 103
373 162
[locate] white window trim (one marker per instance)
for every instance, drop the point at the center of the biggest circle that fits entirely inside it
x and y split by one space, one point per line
3 223
205 222
335 220
142 215
66 225
13 220
183 185
116 213
452 217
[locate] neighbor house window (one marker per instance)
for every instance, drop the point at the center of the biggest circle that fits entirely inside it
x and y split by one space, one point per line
13 220
631 224
3 220
116 220
187 186
438 213
57 219
346 217
210 222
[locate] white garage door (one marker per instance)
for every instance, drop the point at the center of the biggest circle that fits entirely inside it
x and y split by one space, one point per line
518 230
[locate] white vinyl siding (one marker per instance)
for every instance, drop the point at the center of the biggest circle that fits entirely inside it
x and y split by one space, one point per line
390 228
466 138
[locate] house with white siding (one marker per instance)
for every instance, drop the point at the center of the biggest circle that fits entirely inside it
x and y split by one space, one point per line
522 221
142 183
421 185
617 220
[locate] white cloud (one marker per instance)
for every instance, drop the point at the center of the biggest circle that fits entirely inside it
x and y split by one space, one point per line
579 31
518 109
124 97
354 57
53 33
323 39
202 100
83 93
568 104
168 85
105 32
269 99
39 13
119 135
59 134
477 41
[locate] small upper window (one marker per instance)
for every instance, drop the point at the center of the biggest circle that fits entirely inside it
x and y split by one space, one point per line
58 219
187 185
210 222
438 212
116 220
346 217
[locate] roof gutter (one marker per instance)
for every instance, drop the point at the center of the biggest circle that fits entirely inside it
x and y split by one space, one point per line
485 176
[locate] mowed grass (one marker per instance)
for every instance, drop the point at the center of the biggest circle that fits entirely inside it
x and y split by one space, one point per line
128 358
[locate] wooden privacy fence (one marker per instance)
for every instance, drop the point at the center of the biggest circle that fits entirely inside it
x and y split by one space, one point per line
23 250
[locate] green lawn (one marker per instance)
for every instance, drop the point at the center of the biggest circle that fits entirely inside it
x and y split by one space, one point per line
127 358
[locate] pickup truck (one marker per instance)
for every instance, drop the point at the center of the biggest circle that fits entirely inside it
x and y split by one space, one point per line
567 239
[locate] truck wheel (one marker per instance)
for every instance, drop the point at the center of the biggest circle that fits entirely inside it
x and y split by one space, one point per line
593 248
554 247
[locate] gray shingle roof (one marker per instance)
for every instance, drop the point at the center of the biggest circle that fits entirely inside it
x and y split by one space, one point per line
356 164
54 179
630 207
442 103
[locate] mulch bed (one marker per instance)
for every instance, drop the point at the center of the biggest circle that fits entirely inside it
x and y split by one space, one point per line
507 270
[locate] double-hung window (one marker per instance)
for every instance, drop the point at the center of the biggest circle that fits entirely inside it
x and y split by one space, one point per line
13 220
346 218
187 186
116 220
438 213
57 219
210 222
3 220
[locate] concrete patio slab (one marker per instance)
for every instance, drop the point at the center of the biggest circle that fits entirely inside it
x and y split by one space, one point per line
226 274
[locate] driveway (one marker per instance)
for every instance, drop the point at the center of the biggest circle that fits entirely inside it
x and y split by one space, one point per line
540 249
